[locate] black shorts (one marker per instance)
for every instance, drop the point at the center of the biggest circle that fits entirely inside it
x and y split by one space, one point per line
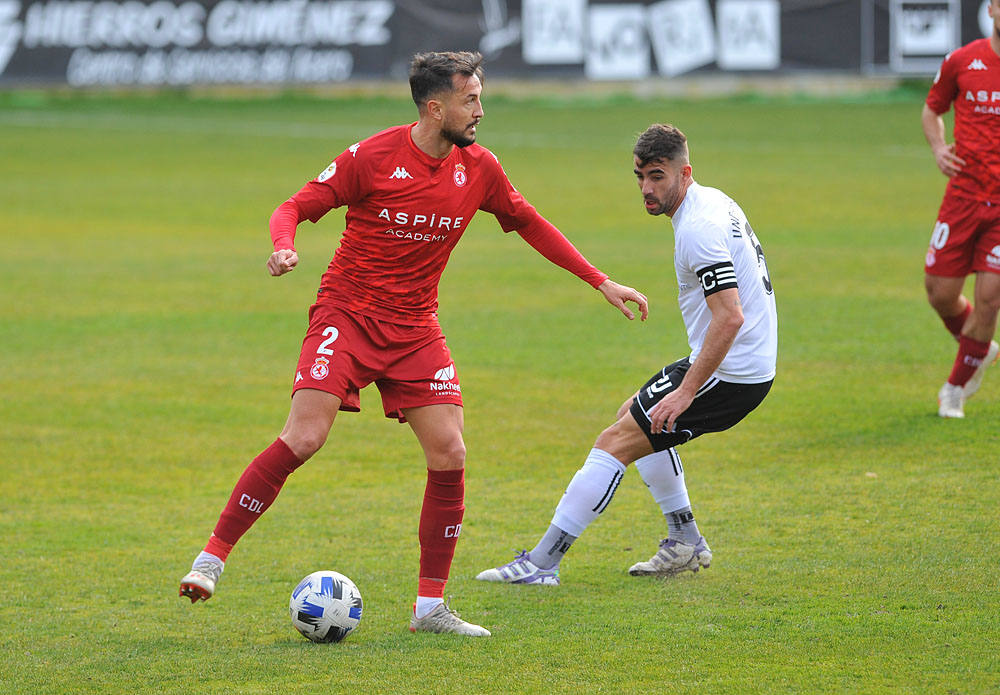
718 405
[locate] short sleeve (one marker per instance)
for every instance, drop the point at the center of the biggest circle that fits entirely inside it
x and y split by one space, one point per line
703 252
944 87
341 183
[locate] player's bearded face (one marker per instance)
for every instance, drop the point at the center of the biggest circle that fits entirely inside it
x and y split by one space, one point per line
662 184
463 111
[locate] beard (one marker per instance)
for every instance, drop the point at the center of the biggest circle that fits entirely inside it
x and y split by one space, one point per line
458 137
661 206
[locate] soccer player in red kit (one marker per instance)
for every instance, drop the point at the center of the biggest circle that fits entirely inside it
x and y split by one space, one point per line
966 236
410 193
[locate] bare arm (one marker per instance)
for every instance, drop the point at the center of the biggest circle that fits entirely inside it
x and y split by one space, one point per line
727 318
944 154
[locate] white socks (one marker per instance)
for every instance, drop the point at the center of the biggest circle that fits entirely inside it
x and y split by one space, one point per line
664 476
425 605
589 492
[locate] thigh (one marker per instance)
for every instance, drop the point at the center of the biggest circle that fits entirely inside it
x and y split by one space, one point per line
439 430
309 420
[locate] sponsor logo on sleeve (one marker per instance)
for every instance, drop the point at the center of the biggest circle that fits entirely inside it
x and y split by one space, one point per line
327 173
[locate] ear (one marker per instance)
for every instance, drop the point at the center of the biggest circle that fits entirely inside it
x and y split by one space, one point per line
435 109
686 171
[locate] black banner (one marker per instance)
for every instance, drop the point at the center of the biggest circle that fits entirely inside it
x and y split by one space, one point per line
193 42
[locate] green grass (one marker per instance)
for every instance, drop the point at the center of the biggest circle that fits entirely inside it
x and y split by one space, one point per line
146 357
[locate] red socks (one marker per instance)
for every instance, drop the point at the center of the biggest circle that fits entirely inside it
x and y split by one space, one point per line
256 489
440 516
440 525
971 354
954 323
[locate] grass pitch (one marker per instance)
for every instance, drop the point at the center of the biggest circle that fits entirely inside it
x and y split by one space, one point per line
147 357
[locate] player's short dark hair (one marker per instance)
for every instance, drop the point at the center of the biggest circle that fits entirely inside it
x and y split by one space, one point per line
431 73
660 141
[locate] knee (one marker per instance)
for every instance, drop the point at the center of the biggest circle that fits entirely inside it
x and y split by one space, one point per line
987 307
942 296
305 441
624 408
447 456
609 438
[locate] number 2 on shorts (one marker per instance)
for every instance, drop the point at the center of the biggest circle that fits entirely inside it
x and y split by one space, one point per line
333 333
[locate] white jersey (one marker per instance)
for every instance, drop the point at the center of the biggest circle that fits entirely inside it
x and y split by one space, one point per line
715 249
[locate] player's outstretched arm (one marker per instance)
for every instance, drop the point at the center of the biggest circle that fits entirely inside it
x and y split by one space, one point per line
282 261
617 295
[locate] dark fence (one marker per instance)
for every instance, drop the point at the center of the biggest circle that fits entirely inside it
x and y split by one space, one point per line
189 42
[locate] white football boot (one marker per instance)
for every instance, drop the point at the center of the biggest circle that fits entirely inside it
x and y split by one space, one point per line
199 583
521 570
972 385
674 557
951 399
444 620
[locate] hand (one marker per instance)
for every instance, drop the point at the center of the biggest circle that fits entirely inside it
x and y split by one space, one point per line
668 410
948 162
282 261
617 295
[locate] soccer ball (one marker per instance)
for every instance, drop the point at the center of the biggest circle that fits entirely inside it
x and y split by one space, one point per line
326 606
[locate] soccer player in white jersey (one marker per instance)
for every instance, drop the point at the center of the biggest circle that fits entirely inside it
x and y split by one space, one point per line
727 303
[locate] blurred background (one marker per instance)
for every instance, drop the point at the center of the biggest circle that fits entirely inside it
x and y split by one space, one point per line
692 45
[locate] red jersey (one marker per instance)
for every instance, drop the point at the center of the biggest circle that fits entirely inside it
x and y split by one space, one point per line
970 77
406 212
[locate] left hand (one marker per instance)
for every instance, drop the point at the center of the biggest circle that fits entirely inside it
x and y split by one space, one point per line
617 295
668 410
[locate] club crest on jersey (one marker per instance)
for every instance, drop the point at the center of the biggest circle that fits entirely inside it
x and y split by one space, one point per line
460 176
327 173
320 369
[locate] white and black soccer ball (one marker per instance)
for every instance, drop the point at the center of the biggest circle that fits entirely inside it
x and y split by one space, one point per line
326 606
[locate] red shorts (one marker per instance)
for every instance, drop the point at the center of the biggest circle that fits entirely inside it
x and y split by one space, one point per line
966 238
344 351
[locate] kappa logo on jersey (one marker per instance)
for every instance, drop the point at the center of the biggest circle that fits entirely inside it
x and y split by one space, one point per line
320 369
977 64
353 149
327 173
400 173
460 176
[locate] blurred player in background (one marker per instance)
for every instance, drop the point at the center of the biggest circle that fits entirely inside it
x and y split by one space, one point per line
410 193
727 304
966 236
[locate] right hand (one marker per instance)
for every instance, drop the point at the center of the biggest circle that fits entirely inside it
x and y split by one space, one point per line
948 162
282 261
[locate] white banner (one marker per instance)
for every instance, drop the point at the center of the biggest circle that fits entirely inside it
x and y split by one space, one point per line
554 31
682 34
618 47
749 34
